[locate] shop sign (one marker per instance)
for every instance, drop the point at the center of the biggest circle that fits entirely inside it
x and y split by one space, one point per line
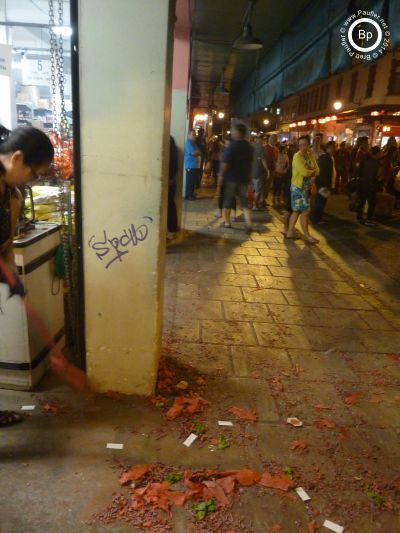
5 59
36 72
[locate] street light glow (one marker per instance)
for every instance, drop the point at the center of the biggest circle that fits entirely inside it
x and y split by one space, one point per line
337 105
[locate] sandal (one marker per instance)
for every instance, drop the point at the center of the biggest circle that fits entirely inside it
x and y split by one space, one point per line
311 240
9 418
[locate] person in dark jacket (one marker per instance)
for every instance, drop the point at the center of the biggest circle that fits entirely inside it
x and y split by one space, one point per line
172 219
368 185
324 181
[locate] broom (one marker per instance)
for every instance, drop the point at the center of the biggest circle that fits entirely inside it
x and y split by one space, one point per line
69 373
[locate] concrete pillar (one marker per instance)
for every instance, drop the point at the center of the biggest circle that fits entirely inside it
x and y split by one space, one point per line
180 82
125 103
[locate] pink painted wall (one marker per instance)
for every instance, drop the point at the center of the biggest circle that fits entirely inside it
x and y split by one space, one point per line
181 47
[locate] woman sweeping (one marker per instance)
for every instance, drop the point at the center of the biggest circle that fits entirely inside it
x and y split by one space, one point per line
25 154
304 171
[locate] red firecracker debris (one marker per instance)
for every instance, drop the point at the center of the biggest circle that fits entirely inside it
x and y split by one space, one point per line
312 527
321 407
299 446
276 528
134 474
243 414
279 481
323 423
185 405
353 398
395 357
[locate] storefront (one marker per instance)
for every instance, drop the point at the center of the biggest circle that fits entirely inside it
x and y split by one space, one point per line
36 90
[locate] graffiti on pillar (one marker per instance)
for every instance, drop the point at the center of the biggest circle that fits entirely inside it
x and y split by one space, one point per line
110 249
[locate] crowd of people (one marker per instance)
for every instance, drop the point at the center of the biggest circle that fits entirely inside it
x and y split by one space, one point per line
301 175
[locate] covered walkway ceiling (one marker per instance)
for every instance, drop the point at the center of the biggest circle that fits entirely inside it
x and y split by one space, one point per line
215 26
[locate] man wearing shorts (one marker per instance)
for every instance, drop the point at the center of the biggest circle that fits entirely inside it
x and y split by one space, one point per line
235 175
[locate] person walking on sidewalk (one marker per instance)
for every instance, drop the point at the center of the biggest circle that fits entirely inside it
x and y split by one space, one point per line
272 157
192 156
305 170
235 175
324 182
282 164
368 185
259 172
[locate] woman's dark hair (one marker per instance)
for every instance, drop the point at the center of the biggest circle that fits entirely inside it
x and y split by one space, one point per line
33 143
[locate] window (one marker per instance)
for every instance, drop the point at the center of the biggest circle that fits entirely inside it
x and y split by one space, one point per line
394 81
371 80
339 85
353 86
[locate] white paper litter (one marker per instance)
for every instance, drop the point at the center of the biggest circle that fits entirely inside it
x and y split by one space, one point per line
28 407
293 421
225 423
330 351
115 446
190 440
303 494
333 527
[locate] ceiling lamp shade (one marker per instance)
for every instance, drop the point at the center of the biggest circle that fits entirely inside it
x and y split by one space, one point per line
246 41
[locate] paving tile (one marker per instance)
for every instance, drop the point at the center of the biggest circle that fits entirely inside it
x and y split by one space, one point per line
245 251
247 311
187 329
286 314
204 358
288 272
251 244
272 282
309 261
221 266
198 309
382 341
267 260
375 320
350 301
236 259
339 318
336 287
245 393
269 252
307 299
227 332
258 270
188 290
279 335
263 295
317 365
260 361
237 280
342 339
219 292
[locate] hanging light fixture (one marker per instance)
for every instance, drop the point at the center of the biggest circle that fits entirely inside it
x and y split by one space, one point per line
247 41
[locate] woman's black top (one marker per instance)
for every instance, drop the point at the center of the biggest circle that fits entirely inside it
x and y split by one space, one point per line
5 214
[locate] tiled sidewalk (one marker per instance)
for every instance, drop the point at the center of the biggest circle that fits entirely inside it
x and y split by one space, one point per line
280 327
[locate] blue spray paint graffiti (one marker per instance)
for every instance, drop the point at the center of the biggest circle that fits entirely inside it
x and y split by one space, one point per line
114 248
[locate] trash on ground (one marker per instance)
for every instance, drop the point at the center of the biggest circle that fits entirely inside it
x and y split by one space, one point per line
222 442
303 494
202 509
135 473
295 422
324 423
353 398
244 414
115 446
298 446
226 423
190 440
28 407
182 385
185 405
278 481
333 527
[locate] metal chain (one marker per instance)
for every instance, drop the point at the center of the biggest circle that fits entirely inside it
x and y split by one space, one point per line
61 130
